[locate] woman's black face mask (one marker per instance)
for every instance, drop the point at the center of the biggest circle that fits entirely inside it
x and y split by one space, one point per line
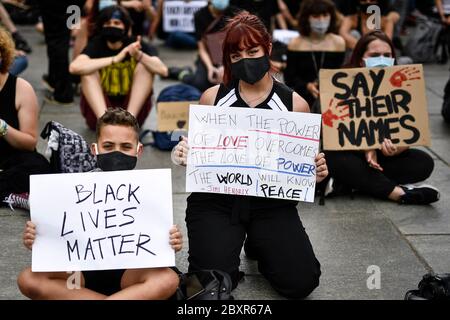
113 34
251 70
116 160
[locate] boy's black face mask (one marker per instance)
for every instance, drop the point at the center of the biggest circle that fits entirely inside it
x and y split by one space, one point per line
251 70
116 160
113 34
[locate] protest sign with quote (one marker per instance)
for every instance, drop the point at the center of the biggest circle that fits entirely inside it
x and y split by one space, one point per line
179 15
254 152
102 220
362 106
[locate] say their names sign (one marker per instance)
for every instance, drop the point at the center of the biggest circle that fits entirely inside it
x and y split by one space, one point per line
179 15
102 220
252 152
363 106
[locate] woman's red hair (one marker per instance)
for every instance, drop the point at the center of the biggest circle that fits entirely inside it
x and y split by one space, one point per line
244 31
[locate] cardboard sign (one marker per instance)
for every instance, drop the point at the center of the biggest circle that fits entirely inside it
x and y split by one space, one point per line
252 152
179 15
363 106
102 220
173 115
285 36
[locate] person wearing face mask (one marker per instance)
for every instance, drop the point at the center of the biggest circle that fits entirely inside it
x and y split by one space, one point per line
116 69
356 18
317 47
117 148
209 19
18 132
271 228
388 172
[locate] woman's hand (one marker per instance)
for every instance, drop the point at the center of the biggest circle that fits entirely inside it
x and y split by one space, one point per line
215 75
180 152
29 234
176 238
321 167
389 149
371 157
313 88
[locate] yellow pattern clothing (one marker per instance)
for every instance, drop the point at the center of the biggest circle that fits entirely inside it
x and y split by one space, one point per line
116 79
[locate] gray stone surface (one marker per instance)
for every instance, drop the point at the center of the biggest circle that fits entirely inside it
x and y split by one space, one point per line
348 235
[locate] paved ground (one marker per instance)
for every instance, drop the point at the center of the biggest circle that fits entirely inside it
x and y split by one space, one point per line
348 235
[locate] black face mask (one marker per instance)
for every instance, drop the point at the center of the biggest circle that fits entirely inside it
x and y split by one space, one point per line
251 70
116 160
113 34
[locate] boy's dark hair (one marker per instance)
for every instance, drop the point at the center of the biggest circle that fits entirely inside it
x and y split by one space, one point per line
117 117
116 12
316 7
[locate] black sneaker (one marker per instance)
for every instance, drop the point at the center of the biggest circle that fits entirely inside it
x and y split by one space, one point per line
423 194
177 73
47 84
50 98
21 43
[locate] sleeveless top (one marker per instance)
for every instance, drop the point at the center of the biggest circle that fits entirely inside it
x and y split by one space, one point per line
239 207
8 112
279 99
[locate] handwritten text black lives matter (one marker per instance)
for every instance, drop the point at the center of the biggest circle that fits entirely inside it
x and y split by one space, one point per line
112 207
252 152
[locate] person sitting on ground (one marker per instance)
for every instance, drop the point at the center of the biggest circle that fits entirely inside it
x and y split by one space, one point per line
356 18
384 173
19 112
271 228
117 131
317 47
116 70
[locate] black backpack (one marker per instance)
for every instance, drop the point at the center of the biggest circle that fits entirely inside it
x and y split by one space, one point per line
431 287
446 104
204 285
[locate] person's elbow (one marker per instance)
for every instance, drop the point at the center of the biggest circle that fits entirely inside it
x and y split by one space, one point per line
75 68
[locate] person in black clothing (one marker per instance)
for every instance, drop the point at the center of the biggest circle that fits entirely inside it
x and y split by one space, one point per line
356 17
57 37
18 132
209 19
118 146
385 173
317 47
265 10
116 70
218 224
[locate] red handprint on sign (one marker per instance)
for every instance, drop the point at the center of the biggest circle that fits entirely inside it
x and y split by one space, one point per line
404 74
329 116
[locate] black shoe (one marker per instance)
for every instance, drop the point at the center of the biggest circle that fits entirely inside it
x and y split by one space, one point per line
50 98
21 43
423 194
177 73
47 84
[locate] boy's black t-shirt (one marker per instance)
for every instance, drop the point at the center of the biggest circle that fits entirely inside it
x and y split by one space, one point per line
116 78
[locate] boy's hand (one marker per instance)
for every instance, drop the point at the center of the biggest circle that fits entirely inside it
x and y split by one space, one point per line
176 238
29 234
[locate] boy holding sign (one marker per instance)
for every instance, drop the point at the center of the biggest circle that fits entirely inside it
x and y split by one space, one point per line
117 148
390 112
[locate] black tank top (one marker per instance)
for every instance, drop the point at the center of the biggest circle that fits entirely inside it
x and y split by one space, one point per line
8 112
279 99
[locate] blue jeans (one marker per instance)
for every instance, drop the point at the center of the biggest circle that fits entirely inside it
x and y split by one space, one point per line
19 65
181 40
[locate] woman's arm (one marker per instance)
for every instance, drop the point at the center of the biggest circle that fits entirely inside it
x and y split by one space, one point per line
345 29
27 111
299 104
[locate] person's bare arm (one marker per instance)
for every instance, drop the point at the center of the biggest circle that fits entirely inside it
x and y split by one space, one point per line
345 29
6 20
299 104
26 137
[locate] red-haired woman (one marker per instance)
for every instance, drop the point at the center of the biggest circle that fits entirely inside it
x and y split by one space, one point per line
218 224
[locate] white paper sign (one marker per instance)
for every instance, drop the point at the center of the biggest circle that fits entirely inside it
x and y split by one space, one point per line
179 15
253 152
102 220
285 36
